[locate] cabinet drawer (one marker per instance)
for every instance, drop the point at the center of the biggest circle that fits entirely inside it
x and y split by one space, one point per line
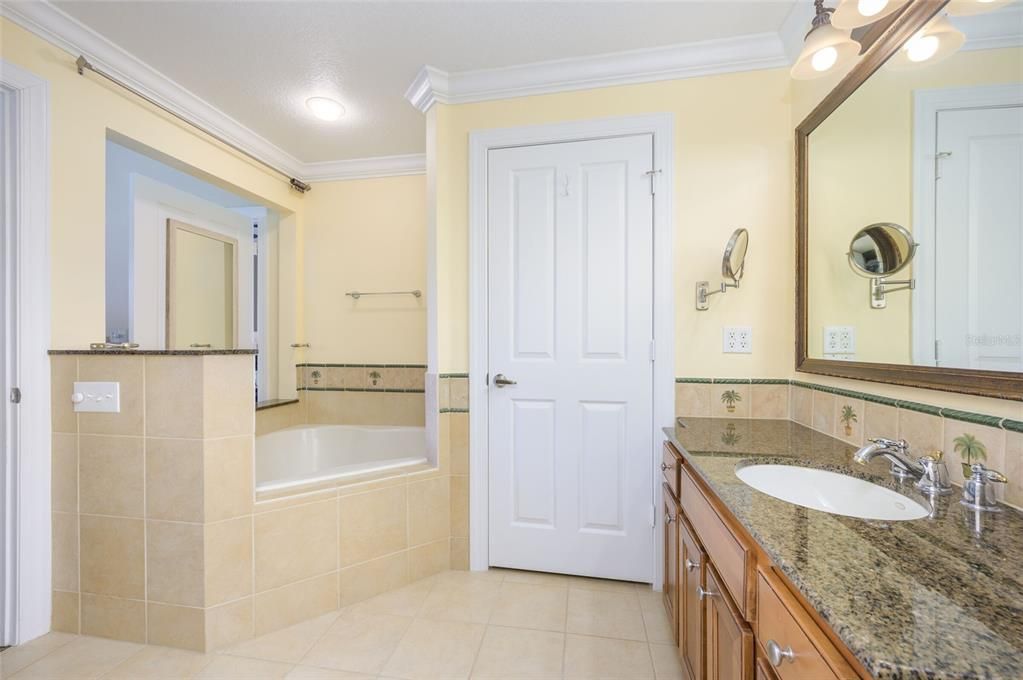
782 621
671 465
730 556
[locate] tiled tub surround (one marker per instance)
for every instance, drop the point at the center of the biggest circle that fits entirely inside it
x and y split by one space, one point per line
363 394
927 598
854 417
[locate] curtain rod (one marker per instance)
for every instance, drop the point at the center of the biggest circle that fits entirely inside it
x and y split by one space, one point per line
83 64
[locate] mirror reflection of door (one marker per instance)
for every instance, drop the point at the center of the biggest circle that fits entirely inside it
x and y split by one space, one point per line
978 240
202 290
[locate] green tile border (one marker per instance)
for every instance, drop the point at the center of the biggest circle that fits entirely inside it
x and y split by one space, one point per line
454 410
311 365
392 390
448 376
927 409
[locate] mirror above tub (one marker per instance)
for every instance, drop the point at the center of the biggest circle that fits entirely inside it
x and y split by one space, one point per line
910 217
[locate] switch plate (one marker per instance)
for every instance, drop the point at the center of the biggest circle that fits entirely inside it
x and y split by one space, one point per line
737 340
97 397
840 342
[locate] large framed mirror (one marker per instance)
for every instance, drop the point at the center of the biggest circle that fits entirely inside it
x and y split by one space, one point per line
910 217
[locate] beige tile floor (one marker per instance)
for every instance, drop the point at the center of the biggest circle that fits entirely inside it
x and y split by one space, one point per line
496 624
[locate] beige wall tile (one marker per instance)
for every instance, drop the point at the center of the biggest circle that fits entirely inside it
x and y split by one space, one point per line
174 479
851 429
113 617
372 525
823 412
229 623
228 406
282 607
458 424
427 560
1014 468
173 626
991 439
296 543
460 553
880 420
113 556
429 511
692 399
112 476
174 563
459 393
363 581
460 506
367 408
719 408
371 482
228 473
126 370
228 560
274 501
443 393
65 551
174 393
769 401
63 374
279 417
923 432
801 405
64 473
65 612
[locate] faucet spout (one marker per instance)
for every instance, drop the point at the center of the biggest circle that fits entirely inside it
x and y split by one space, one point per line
903 464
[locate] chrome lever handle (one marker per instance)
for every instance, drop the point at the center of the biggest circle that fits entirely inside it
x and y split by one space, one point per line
501 381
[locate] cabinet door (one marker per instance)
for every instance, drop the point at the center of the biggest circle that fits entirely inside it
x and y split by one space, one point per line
729 640
671 555
691 619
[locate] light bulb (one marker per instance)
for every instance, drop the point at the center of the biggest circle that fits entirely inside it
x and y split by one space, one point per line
824 59
324 108
869 8
922 47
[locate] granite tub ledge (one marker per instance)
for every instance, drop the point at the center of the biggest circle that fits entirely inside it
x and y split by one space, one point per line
151 352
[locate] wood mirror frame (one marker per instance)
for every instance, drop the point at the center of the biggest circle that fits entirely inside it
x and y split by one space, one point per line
1003 385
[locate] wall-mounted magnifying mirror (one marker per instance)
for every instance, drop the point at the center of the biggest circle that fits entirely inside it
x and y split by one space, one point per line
733 265
878 251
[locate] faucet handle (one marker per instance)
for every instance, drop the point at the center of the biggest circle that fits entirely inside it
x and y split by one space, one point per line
890 443
934 456
935 479
978 472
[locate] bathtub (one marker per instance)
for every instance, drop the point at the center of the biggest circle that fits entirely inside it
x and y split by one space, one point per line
312 454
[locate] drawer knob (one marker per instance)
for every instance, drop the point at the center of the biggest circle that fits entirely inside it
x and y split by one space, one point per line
690 565
705 594
776 655
668 519
665 467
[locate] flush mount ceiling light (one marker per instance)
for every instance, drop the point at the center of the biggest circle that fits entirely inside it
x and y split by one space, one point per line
826 49
324 108
855 13
963 8
932 43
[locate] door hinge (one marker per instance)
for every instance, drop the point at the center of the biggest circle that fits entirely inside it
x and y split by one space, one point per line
653 515
652 174
937 162
653 350
15 395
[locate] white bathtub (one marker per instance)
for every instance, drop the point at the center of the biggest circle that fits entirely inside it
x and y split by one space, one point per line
311 454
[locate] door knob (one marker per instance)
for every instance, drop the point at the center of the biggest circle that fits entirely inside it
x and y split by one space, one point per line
501 381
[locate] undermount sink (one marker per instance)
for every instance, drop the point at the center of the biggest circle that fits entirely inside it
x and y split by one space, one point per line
831 492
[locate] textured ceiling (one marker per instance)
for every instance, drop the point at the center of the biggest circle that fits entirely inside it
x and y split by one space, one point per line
259 61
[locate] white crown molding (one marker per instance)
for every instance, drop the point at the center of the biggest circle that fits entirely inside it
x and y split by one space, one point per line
689 60
992 30
364 168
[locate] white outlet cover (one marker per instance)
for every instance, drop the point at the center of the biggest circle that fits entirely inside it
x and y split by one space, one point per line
97 397
839 340
737 340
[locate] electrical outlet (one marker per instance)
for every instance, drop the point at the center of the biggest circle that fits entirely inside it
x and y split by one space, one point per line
737 340
840 341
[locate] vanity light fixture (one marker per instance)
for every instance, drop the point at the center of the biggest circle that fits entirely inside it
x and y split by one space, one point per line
855 13
965 8
325 108
826 48
935 41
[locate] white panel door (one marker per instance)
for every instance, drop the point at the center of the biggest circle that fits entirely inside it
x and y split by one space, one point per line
979 239
570 247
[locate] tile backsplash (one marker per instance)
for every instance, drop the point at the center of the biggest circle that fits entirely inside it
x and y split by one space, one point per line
855 417
361 377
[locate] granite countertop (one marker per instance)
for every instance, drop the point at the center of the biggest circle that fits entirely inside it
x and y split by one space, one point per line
934 598
151 352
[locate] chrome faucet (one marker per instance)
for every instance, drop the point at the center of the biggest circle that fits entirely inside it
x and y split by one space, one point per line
930 472
978 489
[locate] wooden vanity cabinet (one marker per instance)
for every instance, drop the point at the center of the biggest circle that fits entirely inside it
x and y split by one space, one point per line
691 623
728 640
672 553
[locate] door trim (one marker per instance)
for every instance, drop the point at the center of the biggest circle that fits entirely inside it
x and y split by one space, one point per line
662 127
26 534
926 105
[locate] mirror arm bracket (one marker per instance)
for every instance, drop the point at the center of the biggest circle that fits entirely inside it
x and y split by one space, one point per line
703 293
879 289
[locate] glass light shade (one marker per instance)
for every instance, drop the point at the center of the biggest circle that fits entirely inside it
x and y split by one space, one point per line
963 8
855 13
324 108
827 50
935 41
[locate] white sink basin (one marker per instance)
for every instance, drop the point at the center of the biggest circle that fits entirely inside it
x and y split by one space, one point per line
831 492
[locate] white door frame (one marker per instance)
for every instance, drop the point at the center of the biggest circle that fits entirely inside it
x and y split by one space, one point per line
926 105
25 455
662 127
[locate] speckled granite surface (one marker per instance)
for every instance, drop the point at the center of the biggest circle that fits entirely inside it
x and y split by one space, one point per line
153 352
933 598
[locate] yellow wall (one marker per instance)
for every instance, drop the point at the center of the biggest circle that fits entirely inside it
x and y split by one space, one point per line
861 161
733 161
367 235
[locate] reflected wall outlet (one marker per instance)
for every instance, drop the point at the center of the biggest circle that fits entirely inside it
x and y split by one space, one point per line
737 340
97 397
839 342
